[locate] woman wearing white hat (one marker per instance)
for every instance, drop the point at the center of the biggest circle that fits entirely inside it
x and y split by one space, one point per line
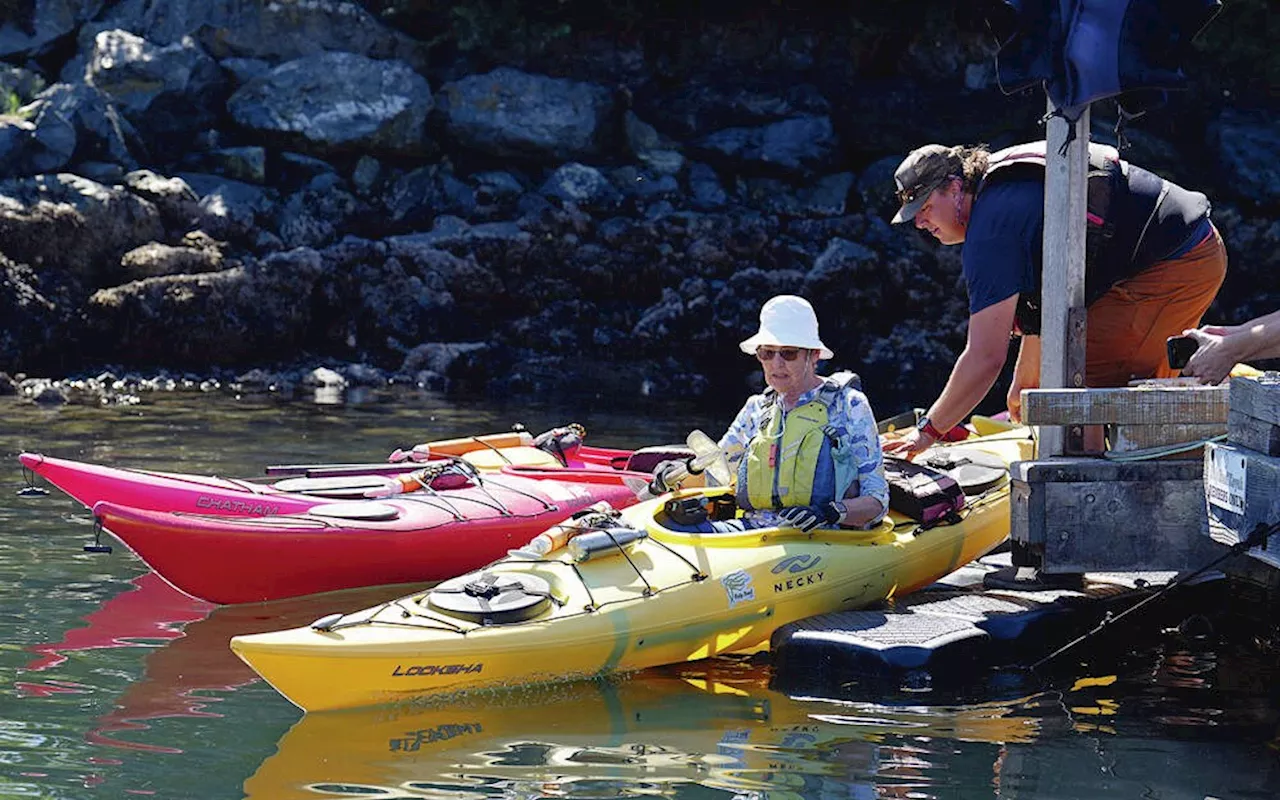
807 448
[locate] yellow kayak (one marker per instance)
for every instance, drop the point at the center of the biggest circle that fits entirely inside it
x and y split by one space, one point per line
650 596
715 724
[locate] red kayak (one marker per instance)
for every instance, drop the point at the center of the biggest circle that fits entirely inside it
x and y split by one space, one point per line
425 535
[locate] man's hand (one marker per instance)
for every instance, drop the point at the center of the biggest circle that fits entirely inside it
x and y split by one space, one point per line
1013 401
910 445
667 475
806 518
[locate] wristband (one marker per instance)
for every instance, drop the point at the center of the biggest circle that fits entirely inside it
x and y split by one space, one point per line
926 426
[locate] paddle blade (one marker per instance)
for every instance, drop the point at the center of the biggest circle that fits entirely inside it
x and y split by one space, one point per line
418 454
702 444
709 457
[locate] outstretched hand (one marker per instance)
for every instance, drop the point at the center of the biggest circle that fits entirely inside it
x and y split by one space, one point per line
910 445
1013 401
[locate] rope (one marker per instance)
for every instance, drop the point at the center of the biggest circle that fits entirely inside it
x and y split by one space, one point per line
30 490
481 484
1159 451
495 449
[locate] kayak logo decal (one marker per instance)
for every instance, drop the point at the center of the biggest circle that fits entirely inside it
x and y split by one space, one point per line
440 733
794 564
419 670
738 587
236 506
798 582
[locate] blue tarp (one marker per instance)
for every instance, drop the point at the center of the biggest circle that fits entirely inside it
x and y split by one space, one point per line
1086 50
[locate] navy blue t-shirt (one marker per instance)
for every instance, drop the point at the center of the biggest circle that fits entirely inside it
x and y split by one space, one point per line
1001 254
1004 245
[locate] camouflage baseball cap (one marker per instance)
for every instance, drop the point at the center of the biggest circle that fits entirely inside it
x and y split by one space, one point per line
919 174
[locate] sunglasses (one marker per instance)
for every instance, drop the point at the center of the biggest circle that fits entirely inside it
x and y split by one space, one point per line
787 353
907 195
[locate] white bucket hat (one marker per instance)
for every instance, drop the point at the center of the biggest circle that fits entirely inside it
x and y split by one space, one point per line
787 321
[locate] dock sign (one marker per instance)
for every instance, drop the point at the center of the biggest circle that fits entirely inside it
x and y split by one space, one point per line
1224 480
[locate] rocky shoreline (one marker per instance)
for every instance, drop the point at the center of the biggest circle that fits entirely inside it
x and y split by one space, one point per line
378 194
543 379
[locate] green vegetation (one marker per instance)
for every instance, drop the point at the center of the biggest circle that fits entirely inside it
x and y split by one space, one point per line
10 103
487 23
514 29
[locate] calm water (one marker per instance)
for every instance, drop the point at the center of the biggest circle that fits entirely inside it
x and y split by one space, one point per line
115 685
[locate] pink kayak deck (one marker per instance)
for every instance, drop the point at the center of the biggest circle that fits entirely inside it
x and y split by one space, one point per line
199 494
411 538
90 483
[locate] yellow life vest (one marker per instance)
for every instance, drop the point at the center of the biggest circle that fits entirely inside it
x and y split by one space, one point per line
798 458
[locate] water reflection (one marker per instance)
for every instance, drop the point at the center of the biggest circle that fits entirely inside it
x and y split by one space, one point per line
711 725
149 611
188 659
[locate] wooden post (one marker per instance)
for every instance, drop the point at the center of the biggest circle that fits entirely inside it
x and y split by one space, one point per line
1062 309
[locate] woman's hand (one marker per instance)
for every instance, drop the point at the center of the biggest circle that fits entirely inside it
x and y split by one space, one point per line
1214 359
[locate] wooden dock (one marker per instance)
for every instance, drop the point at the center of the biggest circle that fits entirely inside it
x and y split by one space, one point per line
1137 505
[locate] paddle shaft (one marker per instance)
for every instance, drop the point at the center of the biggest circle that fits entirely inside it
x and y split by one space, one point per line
338 470
444 447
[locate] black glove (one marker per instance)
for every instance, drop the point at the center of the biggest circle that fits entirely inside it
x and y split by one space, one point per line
806 518
666 475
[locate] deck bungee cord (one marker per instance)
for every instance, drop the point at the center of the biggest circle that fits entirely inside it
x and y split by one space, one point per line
431 618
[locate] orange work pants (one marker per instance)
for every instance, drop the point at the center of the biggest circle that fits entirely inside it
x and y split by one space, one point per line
1128 325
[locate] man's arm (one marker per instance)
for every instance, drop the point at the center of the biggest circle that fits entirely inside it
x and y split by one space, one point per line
975 372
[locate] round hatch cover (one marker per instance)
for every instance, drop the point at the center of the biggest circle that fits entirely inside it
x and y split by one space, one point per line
490 597
365 511
976 470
